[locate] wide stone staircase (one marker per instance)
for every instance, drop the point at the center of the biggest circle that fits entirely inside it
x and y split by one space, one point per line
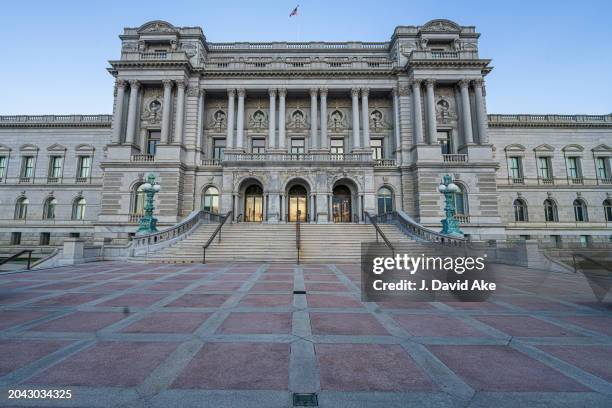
246 242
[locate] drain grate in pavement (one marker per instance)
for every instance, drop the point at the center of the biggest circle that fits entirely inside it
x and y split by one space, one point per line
305 400
300 292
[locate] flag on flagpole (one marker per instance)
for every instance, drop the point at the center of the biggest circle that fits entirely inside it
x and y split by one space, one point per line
295 11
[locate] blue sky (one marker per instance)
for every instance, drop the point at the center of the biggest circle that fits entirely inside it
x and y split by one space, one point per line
549 56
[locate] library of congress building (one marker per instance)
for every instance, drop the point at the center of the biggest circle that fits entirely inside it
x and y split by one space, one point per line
323 132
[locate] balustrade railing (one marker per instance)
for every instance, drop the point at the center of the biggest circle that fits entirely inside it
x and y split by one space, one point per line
143 158
455 158
135 217
384 163
443 55
176 231
462 218
417 231
211 162
302 157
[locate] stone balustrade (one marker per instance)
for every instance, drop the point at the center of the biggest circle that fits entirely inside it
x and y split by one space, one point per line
549 120
443 55
299 46
60 120
364 157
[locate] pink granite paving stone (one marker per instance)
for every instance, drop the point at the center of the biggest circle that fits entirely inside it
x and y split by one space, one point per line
134 300
80 322
107 364
9 318
199 300
402 304
272 287
369 367
502 368
63 285
438 326
111 287
533 303
320 277
166 286
219 286
485 306
601 324
238 366
18 297
266 301
18 353
326 287
168 322
69 299
189 277
276 277
330 300
256 323
525 326
346 324
593 359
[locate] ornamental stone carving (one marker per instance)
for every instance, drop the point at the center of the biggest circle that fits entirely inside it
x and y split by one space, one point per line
219 120
403 90
297 120
441 26
444 111
377 122
336 121
193 91
152 109
258 120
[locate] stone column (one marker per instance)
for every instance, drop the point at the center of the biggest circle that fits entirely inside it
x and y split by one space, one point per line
272 120
282 93
119 111
481 112
132 112
396 127
432 128
313 118
466 111
323 119
355 99
418 115
231 96
180 112
365 116
240 119
200 144
167 108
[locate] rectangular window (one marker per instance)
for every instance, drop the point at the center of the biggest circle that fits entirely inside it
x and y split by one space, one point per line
258 146
573 169
336 146
27 169
218 148
544 168
15 238
444 142
555 240
55 166
516 171
297 146
377 148
3 163
602 168
45 238
584 240
152 141
84 169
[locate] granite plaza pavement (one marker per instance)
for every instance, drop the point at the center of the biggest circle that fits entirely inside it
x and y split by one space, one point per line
235 335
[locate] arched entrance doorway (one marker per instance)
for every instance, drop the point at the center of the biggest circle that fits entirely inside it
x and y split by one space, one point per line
253 204
297 203
341 204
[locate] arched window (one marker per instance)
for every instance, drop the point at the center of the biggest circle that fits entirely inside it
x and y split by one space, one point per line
384 197
580 211
607 205
138 200
520 210
21 208
78 209
461 201
550 210
210 200
49 208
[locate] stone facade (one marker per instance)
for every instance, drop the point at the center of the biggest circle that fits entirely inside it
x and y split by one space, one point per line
331 129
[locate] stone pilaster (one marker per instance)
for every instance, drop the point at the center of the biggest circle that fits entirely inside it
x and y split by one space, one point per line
432 128
179 120
118 123
355 124
167 108
132 112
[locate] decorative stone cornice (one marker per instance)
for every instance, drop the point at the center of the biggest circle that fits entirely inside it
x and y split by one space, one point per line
551 121
47 121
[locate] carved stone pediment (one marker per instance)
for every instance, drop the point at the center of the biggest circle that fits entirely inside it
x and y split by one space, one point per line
157 26
441 25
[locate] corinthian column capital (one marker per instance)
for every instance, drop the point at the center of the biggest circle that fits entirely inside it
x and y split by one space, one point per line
430 83
180 84
134 83
478 83
416 83
231 92
272 92
365 92
313 92
323 91
464 83
121 83
355 92
167 83
241 92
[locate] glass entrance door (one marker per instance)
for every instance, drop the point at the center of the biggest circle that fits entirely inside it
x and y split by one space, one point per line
298 204
253 204
341 204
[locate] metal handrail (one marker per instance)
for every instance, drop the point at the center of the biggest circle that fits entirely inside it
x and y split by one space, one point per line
224 218
380 232
17 255
419 232
298 234
607 268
